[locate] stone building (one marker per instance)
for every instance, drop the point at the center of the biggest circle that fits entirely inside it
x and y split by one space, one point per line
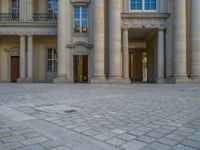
100 41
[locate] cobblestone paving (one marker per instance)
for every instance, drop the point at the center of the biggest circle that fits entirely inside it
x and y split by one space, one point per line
99 117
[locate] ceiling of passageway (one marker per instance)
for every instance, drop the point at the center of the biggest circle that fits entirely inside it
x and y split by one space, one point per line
141 34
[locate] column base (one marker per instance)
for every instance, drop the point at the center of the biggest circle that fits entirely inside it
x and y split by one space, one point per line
98 80
195 79
118 80
182 80
61 79
24 80
161 81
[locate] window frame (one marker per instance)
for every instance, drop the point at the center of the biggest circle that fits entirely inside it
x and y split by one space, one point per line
52 59
143 7
16 9
80 19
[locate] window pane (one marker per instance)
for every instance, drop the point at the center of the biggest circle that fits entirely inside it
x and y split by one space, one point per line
150 5
53 6
76 26
136 4
84 12
84 26
15 6
77 12
80 19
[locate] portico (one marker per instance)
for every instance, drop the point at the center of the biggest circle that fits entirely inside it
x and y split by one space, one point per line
145 60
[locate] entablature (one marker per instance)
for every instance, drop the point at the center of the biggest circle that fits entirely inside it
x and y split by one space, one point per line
28 29
144 20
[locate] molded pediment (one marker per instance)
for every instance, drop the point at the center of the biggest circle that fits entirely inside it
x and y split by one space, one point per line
80 43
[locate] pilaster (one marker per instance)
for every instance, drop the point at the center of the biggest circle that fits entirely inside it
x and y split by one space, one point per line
195 40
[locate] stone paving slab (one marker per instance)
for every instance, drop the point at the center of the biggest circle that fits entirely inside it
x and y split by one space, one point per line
104 117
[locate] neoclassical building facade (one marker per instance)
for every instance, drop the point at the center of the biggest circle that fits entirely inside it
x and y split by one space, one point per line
100 41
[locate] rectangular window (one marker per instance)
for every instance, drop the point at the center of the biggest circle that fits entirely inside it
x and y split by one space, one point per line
80 19
143 5
52 57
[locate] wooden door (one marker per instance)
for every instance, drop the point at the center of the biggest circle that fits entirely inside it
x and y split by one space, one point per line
81 69
14 68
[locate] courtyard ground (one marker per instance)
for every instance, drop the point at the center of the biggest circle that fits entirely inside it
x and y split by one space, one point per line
99 117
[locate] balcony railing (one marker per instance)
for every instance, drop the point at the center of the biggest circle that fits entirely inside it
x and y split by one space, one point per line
4 17
37 17
45 17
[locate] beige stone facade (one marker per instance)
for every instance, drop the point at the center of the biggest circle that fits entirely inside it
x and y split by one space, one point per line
113 44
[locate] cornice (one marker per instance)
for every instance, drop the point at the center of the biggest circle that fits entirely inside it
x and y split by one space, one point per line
80 1
145 15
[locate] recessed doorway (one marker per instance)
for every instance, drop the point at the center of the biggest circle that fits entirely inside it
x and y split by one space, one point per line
138 66
80 68
14 68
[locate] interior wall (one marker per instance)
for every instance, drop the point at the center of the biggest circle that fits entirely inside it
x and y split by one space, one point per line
152 59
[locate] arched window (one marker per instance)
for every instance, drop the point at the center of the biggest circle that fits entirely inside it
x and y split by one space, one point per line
143 5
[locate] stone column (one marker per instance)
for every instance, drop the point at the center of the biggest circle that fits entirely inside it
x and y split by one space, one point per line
115 59
99 43
30 58
195 40
63 10
125 48
180 60
22 73
161 56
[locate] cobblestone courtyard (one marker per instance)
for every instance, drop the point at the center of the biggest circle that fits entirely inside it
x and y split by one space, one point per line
99 117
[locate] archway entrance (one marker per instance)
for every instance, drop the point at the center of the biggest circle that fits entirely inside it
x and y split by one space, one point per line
80 68
138 69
